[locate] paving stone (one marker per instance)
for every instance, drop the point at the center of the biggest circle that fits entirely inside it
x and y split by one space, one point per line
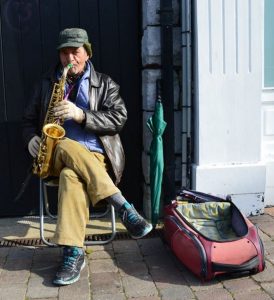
2 263
141 286
252 295
41 288
105 283
177 293
269 211
151 246
146 298
46 258
110 296
160 261
44 269
259 219
197 284
13 292
270 257
15 265
48 251
90 249
266 275
133 268
267 228
21 253
264 237
8 276
269 247
122 246
102 265
241 285
167 278
213 294
43 299
79 290
269 288
101 254
4 251
129 256
57 255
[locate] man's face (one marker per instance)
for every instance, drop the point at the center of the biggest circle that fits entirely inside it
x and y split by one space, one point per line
75 56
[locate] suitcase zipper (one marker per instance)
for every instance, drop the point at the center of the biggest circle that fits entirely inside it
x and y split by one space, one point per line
196 241
247 266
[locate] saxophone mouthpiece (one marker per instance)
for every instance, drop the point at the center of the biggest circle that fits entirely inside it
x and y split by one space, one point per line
69 66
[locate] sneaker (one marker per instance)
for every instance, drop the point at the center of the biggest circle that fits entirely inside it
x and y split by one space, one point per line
73 263
136 225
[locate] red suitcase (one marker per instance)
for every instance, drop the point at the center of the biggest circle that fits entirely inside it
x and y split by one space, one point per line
210 236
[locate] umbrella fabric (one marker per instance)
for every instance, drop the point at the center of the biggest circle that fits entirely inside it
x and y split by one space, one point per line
157 125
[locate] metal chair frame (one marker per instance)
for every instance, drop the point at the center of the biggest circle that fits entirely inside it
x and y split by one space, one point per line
44 205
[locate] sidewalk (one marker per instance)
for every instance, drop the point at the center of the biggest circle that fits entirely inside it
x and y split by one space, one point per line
126 269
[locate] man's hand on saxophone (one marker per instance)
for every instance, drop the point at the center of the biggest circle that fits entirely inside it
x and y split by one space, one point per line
67 110
33 145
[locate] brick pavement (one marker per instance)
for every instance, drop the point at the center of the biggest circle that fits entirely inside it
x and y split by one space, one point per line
129 269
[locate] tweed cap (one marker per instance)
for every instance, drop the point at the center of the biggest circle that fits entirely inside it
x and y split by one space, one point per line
74 37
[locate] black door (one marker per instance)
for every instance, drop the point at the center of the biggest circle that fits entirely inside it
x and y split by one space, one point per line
28 36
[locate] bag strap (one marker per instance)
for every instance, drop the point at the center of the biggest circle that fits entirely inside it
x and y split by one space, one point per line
201 197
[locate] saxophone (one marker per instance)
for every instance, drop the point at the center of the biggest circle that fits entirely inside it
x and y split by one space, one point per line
52 130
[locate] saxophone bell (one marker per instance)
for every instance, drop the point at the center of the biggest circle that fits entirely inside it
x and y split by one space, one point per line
54 131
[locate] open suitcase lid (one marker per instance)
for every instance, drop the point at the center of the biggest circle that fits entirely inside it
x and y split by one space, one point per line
216 218
200 196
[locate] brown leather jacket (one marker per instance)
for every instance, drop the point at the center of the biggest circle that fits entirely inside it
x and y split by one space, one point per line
106 117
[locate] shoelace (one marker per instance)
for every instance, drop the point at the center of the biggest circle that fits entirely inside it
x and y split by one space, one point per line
69 262
131 217
69 258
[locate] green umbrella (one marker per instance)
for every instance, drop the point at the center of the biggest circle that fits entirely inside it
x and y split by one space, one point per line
157 125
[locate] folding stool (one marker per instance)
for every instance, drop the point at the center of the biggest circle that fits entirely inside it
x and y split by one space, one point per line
44 203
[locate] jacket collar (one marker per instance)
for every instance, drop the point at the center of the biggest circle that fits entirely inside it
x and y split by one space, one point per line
94 81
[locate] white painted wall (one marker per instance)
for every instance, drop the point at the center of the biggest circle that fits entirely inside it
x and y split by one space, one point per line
268 143
228 101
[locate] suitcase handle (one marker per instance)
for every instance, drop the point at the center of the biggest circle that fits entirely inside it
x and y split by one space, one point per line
250 265
201 197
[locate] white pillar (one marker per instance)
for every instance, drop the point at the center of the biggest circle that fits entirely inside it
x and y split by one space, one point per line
227 101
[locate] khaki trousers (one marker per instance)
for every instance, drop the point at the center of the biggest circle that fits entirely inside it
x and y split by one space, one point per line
83 178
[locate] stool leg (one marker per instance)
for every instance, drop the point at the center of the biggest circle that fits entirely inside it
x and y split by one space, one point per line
44 201
41 211
113 231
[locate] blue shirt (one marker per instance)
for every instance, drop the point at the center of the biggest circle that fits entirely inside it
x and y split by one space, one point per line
74 130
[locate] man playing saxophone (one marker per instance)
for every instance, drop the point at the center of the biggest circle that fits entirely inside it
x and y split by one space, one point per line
89 161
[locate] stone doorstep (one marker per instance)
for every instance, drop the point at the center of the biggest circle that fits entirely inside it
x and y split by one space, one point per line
269 211
29 228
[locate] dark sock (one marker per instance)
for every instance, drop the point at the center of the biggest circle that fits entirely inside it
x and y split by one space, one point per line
117 200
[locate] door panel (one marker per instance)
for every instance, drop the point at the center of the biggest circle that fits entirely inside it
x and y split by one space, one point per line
29 36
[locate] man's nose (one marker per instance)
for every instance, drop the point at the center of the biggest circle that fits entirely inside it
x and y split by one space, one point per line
71 57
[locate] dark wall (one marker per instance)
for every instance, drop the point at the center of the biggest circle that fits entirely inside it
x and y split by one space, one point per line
28 36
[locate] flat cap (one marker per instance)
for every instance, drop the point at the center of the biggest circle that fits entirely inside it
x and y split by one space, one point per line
74 37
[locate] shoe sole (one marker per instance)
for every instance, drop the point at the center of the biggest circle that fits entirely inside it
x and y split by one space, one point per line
61 282
144 233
